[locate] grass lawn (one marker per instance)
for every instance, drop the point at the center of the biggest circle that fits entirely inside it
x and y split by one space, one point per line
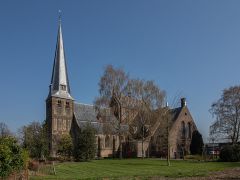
128 168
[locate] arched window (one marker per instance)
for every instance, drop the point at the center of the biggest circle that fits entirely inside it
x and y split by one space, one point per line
99 147
59 103
64 125
183 130
59 124
114 142
189 130
99 143
67 104
107 142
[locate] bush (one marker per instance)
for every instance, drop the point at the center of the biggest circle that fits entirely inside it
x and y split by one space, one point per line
85 145
196 146
12 156
230 153
65 147
35 140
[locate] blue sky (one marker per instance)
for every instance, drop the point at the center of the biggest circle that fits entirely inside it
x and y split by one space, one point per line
189 48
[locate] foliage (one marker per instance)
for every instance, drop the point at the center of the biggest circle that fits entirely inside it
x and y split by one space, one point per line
85 145
230 153
25 157
35 139
4 131
65 146
196 146
227 113
136 169
12 157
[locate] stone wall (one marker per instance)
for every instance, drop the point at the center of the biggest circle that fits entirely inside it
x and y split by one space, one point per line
179 140
59 116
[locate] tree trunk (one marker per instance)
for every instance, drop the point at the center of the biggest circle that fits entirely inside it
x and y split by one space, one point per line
168 144
142 142
113 152
120 147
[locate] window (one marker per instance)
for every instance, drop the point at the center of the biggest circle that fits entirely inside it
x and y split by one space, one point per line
183 129
99 146
63 87
67 124
67 105
59 103
64 124
107 142
58 124
189 130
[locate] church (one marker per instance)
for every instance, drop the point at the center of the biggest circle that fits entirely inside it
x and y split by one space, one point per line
65 115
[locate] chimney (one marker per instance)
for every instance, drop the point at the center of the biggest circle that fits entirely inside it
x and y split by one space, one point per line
166 104
183 102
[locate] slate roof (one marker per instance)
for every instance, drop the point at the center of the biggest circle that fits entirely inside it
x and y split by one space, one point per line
59 73
175 113
85 113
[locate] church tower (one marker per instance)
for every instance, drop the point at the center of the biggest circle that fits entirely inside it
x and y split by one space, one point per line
59 103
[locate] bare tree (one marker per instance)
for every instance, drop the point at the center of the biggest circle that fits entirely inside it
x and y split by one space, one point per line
4 131
149 99
227 113
129 99
167 117
112 87
164 117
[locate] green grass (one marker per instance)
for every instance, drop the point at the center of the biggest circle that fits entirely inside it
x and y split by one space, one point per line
130 168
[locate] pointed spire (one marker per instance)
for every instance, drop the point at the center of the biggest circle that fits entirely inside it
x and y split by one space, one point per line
59 86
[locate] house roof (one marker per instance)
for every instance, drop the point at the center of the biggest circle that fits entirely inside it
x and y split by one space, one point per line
175 113
85 113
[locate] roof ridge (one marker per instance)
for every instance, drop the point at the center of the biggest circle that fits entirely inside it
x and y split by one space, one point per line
83 104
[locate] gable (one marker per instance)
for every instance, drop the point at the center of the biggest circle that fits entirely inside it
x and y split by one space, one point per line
184 118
